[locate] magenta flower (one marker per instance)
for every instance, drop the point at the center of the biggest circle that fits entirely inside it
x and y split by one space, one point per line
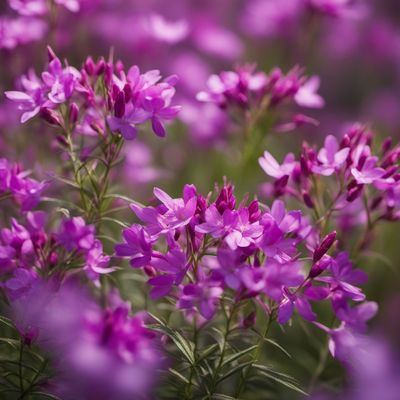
74 234
137 246
343 278
272 167
293 301
244 232
174 266
217 225
32 99
368 172
173 214
96 263
330 157
61 81
307 95
203 296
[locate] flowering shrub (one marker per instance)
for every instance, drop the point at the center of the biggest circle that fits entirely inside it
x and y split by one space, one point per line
260 279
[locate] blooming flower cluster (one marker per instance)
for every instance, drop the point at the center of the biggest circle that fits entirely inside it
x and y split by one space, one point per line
214 248
112 353
98 98
245 88
359 179
28 254
15 182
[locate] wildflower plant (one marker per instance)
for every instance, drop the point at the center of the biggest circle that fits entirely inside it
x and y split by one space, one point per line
109 292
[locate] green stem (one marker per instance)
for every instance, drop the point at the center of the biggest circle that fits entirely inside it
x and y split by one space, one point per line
255 356
189 386
214 379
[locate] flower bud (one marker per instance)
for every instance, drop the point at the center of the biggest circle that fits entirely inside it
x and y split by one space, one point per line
304 166
319 267
387 143
50 54
119 106
325 245
354 193
73 113
89 66
307 199
50 116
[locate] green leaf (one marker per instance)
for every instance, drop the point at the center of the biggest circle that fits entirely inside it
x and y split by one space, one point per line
207 352
219 396
184 345
7 322
278 346
12 342
234 370
239 354
264 371
122 197
116 221
178 375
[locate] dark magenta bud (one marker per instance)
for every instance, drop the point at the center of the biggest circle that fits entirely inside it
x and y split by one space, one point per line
128 92
119 106
150 271
89 66
250 320
354 193
376 202
390 171
73 113
281 183
319 267
386 145
101 66
254 211
50 54
307 199
50 116
325 245
345 142
304 166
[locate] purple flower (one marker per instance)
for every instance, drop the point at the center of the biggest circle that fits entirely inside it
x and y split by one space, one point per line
167 31
96 263
281 276
277 224
330 157
307 95
74 234
272 167
367 172
244 232
343 278
174 265
61 81
357 316
102 353
173 214
137 246
20 284
202 296
292 301
217 225
32 99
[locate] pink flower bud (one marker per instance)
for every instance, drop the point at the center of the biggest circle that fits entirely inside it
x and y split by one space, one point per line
73 113
325 245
